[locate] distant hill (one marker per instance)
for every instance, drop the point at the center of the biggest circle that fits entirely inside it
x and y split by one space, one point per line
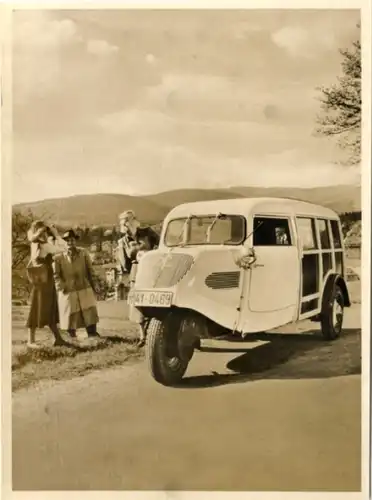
172 198
339 198
103 209
93 209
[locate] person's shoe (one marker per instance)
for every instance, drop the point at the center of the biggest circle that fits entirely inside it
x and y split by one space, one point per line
59 343
33 345
72 340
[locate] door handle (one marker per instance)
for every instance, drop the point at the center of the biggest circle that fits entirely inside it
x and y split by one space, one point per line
258 265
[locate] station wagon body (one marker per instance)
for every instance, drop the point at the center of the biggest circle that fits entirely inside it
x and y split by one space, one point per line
244 266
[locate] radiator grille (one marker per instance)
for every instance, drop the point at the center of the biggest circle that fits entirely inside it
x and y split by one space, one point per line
229 279
163 270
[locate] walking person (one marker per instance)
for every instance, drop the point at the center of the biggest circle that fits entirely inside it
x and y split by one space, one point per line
136 241
74 279
45 243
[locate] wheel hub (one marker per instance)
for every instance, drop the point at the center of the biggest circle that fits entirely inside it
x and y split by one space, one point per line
337 314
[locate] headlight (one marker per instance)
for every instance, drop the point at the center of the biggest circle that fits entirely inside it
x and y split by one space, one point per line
245 257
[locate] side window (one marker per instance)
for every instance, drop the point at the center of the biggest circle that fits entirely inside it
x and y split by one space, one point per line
336 234
307 234
325 241
271 232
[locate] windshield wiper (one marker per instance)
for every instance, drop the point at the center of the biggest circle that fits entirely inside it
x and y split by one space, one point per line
218 216
182 232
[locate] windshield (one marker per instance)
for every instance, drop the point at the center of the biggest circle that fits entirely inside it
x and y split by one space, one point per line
215 229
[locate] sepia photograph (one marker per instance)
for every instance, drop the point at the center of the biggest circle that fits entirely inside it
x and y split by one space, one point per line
186 250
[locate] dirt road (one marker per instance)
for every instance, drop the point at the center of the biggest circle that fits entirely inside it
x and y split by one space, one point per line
283 416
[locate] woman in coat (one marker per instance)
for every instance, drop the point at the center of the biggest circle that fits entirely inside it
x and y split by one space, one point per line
73 276
45 243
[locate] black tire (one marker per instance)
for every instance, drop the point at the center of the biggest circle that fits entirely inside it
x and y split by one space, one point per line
332 312
166 362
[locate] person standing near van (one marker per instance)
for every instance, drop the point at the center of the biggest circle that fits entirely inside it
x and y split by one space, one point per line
136 241
45 243
74 279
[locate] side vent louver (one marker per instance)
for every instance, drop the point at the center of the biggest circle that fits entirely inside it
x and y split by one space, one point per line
217 281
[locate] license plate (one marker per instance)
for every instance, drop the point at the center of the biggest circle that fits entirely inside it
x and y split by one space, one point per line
150 299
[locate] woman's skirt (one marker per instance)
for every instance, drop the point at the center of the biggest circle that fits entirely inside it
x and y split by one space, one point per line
44 304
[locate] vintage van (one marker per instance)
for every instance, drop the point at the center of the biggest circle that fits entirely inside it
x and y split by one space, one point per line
228 268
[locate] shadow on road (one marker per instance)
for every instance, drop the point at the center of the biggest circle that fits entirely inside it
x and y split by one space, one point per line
288 356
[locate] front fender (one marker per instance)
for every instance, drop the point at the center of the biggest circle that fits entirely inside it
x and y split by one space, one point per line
337 279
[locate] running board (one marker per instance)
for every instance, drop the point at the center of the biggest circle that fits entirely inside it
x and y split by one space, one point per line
208 345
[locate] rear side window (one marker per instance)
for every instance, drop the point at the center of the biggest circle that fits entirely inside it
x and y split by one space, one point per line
271 232
336 234
324 234
307 233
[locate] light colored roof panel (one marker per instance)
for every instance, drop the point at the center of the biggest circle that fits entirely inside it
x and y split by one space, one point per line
245 206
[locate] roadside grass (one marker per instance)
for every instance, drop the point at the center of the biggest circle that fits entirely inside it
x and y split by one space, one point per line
57 363
116 346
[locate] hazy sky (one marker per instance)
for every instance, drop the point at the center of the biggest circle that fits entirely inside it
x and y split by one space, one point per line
145 101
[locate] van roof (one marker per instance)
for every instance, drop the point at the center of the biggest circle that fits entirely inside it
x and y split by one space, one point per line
247 206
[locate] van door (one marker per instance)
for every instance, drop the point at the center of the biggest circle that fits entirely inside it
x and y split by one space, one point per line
275 276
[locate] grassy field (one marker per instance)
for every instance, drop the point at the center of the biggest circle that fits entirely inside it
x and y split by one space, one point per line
116 347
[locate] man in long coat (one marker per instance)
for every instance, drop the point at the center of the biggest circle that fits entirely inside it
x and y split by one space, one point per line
73 276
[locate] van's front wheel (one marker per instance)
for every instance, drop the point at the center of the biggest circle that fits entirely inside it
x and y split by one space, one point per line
169 348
